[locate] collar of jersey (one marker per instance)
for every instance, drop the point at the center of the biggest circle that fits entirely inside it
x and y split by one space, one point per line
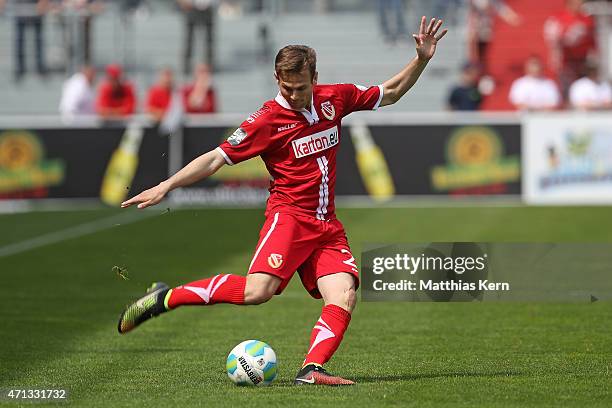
311 115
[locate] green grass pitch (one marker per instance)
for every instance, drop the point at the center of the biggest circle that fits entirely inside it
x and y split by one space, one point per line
60 304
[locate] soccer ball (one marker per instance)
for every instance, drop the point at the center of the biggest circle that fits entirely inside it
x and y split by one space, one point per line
252 362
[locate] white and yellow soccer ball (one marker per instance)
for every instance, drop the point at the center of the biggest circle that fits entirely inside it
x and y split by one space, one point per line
252 362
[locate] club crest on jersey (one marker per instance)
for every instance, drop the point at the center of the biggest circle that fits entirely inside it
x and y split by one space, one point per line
237 137
328 110
275 260
318 142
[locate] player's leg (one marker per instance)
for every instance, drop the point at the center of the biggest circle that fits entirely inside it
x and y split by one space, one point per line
338 289
330 273
252 289
269 272
260 287
338 292
239 290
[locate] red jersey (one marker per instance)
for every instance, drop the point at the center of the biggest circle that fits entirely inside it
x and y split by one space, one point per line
207 105
122 98
298 147
574 32
159 98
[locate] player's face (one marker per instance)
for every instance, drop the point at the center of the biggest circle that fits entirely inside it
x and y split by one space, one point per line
296 88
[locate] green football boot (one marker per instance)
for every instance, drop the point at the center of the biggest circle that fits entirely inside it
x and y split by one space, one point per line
148 306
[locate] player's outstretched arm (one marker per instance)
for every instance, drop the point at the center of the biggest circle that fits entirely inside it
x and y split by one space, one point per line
199 168
426 41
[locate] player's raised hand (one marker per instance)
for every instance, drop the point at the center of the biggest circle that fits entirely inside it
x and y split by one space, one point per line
428 37
147 198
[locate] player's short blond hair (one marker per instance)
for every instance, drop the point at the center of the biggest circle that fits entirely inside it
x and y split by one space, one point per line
292 59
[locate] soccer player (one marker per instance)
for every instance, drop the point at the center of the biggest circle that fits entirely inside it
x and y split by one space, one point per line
296 134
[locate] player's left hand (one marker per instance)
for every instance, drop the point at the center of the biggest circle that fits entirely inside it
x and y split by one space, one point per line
428 37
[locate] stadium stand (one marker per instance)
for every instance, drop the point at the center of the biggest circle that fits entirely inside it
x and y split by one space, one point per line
349 45
508 51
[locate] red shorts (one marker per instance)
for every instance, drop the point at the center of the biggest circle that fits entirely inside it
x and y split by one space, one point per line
314 248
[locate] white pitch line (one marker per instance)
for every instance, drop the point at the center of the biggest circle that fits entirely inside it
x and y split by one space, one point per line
74 232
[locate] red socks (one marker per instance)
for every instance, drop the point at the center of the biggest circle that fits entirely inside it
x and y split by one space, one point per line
327 334
218 289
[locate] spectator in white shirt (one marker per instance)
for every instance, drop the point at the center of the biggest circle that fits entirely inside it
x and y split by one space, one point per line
589 92
78 95
534 91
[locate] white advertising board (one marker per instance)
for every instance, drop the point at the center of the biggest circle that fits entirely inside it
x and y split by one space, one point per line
567 158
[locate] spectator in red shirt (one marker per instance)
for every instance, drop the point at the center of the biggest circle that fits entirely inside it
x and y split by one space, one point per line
571 38
199 97
116 98
160 95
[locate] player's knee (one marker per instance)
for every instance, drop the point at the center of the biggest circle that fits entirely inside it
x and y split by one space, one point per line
257 296
350 299
347 299
256 293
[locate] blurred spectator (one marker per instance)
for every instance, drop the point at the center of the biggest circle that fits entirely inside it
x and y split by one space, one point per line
447 10
387 9
590 92
78 95
29 13
160 95
571 38
466 96
129 7
199 14
199 96
481 19
116 98
76 21
534 91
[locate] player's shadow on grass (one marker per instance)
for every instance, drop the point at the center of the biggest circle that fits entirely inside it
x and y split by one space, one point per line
415 377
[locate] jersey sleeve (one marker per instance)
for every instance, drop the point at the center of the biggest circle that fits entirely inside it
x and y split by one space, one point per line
358 98
251 139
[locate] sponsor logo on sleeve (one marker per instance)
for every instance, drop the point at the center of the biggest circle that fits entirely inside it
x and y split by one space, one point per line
328 110
237 137
318 142
251 119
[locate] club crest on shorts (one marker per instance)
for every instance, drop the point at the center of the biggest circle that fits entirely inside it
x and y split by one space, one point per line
275 260
328 110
